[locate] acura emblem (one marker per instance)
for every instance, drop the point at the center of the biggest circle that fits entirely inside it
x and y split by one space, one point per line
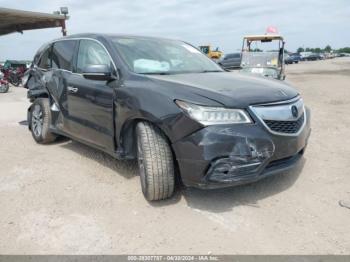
294 110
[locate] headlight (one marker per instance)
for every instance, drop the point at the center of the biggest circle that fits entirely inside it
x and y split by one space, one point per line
214 115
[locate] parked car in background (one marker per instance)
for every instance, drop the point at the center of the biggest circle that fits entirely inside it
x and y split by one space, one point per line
288 59
292 58
295 57
313 57
166 104
329 55
303 55
230 61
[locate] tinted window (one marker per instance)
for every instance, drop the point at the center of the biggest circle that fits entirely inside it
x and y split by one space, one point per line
91 53
62 54
44 61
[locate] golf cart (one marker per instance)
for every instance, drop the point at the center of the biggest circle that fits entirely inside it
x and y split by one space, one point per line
256 60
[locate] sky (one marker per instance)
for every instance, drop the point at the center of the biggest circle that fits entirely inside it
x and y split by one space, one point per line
308 23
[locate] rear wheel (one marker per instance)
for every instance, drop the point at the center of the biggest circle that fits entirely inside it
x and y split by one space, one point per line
40 119
155 162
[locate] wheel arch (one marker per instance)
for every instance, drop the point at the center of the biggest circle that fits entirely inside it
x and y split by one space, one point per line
37 93
128 141
127 135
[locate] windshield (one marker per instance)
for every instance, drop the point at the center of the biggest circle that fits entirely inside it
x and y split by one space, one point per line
259 59
158 56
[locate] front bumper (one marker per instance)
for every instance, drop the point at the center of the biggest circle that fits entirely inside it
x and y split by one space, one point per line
229 155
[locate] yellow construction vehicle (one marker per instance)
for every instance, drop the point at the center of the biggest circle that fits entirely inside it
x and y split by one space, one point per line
213 54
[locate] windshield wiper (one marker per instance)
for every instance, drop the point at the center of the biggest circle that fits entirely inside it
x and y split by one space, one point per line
157 73
210 71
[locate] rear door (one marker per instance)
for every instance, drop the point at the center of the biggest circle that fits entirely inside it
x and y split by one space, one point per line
90 102
57 81
41 66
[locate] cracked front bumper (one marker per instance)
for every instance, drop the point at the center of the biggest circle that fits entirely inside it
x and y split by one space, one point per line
229 155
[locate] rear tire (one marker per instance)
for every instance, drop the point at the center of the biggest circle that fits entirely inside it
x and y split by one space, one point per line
40 119
155 162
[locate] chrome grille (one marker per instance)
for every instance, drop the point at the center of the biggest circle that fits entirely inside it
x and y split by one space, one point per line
289 127
279 118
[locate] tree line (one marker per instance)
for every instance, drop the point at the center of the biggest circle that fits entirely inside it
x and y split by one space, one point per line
327 49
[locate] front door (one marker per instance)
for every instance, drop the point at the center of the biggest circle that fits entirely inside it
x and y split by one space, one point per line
90 102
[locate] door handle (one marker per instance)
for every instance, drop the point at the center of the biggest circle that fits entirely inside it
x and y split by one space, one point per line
72 89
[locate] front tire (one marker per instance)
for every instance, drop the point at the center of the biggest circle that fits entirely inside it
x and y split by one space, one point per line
40 119
4 88
155 162
16 82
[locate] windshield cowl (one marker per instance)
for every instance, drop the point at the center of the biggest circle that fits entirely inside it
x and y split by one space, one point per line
182 72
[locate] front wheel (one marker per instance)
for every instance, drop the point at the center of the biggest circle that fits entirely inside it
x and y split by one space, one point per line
40 119
16 81
4 88
155 162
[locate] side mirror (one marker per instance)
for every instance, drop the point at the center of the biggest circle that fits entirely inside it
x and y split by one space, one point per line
98 72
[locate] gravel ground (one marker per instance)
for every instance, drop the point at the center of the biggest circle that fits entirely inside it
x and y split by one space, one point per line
69 198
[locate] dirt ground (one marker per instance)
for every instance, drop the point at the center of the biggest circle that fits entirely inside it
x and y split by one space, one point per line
69 198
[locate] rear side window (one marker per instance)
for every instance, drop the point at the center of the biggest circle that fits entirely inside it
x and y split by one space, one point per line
91 53
62 54
44 61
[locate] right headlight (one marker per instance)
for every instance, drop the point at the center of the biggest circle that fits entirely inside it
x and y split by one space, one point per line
214 115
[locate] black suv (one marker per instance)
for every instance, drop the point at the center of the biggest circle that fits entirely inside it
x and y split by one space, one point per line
168 105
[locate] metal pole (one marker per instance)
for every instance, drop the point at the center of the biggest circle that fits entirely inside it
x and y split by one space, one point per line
63 25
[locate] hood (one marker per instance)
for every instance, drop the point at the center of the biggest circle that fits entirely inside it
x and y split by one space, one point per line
229 88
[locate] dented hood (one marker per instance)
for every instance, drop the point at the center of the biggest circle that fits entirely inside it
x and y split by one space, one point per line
230 89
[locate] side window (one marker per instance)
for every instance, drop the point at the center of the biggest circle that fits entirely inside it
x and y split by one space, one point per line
91 53
62 54
44 61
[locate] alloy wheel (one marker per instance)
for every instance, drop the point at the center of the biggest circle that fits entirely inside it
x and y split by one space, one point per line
37 120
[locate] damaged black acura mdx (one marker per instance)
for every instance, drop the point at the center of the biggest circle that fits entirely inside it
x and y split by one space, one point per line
166 104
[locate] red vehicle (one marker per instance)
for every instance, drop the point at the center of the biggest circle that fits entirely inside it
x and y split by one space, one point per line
14 76
4 85
13 71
